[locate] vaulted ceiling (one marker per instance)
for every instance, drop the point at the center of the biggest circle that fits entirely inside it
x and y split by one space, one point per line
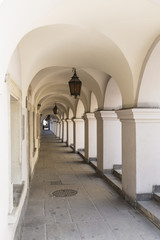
102 39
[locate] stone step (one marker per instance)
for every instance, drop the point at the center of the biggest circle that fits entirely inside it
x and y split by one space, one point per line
81 153
151 209
114 182
156 196
17 191
93 164
118 173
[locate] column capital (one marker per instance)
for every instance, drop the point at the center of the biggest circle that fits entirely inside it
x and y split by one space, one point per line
64 120
89 115
139 115
106 115
78 120
69 120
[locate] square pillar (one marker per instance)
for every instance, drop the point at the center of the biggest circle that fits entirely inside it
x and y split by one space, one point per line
108 140
90 136
69 132
140 150
64 131
78 134
58 130
54 127
61 130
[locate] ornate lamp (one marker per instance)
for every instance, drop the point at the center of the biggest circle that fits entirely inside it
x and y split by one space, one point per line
55 109
75 84
38 106
48 118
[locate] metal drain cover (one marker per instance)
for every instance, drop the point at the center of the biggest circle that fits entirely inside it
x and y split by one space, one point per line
64 193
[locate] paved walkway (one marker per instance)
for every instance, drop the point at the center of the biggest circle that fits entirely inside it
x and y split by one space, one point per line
96 212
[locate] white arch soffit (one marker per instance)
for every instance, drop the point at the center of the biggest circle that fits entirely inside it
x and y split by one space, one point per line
113 97
55 75
80 109
50 75
56 99
61 108
18 24
59 91
51 102
1 1
94 103
54 12
64 116
70 113
95 81
149 88
100 53
45 115
50 108
49 112
58 88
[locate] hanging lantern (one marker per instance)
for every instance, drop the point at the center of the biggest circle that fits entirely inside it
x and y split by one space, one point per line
75 84
55 109
38 106
48 118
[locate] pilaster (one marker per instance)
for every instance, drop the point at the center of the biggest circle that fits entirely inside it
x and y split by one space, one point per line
69 132
140 150
90 136
64 131
78 137
108 140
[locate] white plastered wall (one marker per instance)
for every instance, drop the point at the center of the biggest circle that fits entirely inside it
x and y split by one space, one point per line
149 89
113 97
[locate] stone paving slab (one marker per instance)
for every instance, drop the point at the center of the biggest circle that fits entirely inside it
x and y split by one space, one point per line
96 231
62 232
34 233
95 212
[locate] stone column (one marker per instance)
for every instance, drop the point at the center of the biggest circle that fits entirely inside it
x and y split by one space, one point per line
90 136
54 127
69 132
58 130
108 140
140 151
61 130
64 131
51 125
78 134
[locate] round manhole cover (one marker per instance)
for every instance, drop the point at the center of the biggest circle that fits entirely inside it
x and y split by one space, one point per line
64 193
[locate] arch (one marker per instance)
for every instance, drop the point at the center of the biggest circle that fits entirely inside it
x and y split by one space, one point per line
49 111
70 113
64 54
94 103
64 115
149 89
113 97
80 109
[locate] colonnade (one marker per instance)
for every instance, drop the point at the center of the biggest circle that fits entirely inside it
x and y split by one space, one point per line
129 137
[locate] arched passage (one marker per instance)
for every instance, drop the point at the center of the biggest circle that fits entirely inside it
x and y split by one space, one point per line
94 104
109 137
79 127
149 93
46 45
91 130
113 97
